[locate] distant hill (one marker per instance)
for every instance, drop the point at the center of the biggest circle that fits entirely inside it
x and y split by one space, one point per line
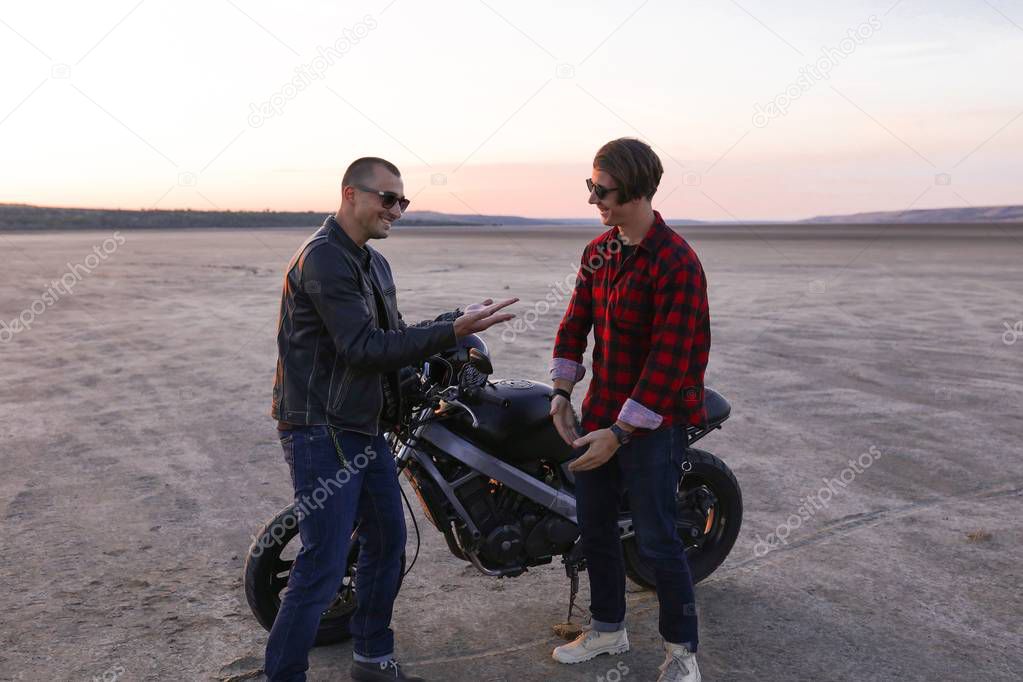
24 217
973 214
436 218
28 217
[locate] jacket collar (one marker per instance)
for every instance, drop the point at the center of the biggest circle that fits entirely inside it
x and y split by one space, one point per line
362 255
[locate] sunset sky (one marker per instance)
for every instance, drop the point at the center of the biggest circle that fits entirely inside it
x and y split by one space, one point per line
495 107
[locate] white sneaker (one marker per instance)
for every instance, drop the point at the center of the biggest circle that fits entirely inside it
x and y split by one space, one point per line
679 665
591 644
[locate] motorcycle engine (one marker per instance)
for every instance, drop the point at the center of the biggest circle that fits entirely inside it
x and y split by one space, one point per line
516 531
504 545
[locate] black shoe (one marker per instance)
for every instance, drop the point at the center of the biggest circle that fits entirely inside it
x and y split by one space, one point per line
381 672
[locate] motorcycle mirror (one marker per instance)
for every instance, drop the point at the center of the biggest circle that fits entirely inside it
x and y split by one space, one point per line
480 361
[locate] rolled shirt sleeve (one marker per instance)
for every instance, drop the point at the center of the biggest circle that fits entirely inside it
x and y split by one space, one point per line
636 415
569 370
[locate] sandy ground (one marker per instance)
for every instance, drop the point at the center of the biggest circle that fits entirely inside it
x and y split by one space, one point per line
138 456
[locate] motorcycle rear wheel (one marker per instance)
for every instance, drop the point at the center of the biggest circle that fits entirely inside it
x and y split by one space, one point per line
708 474
267 571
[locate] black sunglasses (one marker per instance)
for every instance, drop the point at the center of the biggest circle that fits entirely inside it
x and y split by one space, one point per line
387 199
599 190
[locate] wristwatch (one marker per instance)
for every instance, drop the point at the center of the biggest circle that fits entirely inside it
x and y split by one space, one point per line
621 434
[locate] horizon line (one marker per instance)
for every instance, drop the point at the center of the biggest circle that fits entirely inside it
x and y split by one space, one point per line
519 217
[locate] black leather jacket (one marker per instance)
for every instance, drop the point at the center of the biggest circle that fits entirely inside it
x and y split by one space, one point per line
332 351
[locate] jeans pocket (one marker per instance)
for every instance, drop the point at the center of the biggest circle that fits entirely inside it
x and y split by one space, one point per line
316 433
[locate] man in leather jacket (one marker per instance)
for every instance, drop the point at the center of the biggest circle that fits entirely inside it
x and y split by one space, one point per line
341 342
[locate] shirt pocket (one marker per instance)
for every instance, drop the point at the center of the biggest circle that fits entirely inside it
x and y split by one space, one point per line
630 305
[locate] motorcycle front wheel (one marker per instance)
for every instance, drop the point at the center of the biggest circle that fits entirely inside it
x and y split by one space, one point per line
268 565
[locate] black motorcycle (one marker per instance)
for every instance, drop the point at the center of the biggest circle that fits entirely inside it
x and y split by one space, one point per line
491 473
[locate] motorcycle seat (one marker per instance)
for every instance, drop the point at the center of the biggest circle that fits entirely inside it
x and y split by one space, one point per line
715 406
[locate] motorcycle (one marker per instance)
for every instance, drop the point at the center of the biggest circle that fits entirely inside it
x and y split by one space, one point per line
491 474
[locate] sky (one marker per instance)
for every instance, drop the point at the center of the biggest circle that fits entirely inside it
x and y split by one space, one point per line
757 109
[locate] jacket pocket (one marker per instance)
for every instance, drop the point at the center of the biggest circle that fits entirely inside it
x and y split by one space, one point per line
339 396
391 306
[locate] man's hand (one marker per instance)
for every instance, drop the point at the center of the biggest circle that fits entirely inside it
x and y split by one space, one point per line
603 444
482 317
476 307
562 414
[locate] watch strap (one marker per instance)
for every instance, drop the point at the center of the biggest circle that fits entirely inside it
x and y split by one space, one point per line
621 434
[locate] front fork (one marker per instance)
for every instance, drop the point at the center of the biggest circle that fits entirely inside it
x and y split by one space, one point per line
403 451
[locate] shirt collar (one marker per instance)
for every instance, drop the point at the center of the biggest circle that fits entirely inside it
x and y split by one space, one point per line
654 236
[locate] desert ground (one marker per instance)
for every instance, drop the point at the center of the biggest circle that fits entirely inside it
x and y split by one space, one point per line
138 456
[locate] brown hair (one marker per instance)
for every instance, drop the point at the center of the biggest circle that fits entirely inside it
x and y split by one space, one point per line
360 170
633 164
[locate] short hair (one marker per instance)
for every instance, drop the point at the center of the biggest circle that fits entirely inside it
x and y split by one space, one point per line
360 170
633 164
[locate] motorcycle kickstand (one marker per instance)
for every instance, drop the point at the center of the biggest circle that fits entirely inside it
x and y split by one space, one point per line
569 630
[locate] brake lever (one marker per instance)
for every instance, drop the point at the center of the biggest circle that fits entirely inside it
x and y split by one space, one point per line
459 403
453 392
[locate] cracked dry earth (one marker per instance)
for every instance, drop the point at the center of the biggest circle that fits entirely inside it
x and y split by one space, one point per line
137 456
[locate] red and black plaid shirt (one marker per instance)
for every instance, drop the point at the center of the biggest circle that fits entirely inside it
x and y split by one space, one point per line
651 330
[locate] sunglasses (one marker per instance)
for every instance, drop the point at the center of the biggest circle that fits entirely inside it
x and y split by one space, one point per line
599 190
387 199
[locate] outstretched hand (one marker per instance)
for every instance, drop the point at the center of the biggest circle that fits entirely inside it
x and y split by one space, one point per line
479 317
476 307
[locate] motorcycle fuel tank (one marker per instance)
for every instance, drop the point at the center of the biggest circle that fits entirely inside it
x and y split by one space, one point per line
521 430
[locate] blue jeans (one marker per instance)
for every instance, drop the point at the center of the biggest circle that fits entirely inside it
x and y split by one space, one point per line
648 468
341 479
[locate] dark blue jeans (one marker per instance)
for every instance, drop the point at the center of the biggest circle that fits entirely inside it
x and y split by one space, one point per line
648 469
342 479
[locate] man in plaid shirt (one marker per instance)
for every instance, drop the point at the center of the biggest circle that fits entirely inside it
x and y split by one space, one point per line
642 291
